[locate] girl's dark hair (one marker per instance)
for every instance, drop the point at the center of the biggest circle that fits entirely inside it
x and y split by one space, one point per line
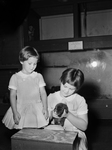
73 77
28 52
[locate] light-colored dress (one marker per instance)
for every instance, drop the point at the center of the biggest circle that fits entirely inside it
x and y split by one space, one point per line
77 106
29 103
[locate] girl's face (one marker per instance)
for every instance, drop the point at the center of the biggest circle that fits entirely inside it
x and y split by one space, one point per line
67 89
29 65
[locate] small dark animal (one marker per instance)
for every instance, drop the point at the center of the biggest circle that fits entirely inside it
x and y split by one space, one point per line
59 109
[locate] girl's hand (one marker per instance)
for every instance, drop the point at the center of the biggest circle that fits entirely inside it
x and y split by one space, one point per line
46 114
16 118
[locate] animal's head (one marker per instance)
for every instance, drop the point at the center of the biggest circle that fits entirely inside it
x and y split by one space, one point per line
59 109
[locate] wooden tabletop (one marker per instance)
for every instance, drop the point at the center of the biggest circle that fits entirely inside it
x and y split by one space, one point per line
56 136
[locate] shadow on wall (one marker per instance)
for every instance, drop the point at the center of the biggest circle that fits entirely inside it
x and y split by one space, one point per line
90 91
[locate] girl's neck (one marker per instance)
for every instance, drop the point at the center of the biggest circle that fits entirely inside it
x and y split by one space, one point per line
62 95
26 72
66 96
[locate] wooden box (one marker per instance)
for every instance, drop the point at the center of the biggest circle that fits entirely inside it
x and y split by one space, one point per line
43 139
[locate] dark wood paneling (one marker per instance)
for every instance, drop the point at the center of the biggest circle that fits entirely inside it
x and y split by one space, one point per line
89 43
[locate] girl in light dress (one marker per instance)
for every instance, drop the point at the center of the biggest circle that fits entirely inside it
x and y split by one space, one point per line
76 119
28 97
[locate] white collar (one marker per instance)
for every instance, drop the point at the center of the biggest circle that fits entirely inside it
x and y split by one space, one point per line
69 98
33 74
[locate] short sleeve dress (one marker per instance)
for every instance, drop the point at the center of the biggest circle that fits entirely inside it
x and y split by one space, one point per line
77 105
29 103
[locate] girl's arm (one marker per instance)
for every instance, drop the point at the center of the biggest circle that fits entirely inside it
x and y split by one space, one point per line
44 101
80 122
13 102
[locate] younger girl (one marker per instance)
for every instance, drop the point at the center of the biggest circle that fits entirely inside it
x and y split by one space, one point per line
76 117
27 94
